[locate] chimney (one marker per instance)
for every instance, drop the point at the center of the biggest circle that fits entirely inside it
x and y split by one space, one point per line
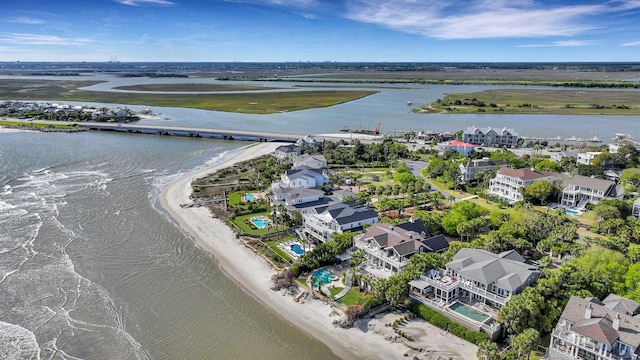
616 322
588 311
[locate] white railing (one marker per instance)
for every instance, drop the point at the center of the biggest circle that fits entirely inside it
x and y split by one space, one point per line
484 293
588 345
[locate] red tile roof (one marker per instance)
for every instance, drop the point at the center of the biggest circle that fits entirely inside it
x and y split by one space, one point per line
525 173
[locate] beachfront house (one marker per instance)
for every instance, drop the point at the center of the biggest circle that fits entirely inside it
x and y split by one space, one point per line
474 285
590 329
286 153
388 247
508 182
490 137
303 177
470 168
321 223
310 161
579 191
296 196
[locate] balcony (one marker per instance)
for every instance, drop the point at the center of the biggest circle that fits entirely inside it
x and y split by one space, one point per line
467 285
565 341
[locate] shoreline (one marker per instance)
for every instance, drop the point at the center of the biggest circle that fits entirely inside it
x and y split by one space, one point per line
369 339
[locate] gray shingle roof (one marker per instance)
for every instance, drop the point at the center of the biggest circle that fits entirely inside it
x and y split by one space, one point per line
488 268
591 183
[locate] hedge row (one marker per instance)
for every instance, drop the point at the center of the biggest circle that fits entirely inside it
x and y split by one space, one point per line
441 321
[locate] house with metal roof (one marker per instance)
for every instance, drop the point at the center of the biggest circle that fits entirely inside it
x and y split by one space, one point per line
295 196
302 177
590 329
323 221
579 191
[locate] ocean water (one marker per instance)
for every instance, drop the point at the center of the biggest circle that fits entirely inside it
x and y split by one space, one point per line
90 268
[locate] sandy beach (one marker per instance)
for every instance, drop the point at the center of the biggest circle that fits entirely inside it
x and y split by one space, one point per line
370 339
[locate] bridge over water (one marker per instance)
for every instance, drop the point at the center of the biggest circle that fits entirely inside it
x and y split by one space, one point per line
225 134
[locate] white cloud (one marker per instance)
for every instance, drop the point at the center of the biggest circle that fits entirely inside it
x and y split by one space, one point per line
36 39
563 43
144 2
478 19
282 3
633 43
25 20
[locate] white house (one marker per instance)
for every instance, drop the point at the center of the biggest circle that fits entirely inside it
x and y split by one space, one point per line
459 146
296 196
478 277
303 177
579 191
336 218
287 152
469 169
389 247
311 161
507 183
590 329
490 137
586 158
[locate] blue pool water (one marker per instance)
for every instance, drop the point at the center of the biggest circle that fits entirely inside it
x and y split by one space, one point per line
572 212
296 248
260 223
469 312
325 275
248 197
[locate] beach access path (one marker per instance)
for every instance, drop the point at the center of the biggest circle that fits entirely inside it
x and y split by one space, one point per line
375 342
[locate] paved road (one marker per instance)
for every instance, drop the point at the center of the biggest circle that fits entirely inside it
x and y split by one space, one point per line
416 169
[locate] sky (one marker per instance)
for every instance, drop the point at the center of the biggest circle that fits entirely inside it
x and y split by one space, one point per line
320 30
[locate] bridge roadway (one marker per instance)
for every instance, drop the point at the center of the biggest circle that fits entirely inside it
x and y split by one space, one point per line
226 134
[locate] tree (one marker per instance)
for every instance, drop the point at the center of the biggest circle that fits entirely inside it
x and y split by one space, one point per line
630 177
525 342
488 350
523 311
435 167
547 165
540 190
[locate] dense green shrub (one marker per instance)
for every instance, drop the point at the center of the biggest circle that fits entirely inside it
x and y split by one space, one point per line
441 321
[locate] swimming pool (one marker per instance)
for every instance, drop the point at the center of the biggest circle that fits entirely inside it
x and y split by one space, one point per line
260 222
469 312
325 275
248 197
297 248
572 212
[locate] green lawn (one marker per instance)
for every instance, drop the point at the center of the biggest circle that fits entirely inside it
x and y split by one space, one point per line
235 198
239 221
335 291
352 297
273 245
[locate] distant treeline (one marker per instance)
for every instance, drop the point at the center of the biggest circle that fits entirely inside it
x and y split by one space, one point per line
344 66
154 75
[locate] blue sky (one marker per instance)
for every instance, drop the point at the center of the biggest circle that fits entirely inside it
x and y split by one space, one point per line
319 30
